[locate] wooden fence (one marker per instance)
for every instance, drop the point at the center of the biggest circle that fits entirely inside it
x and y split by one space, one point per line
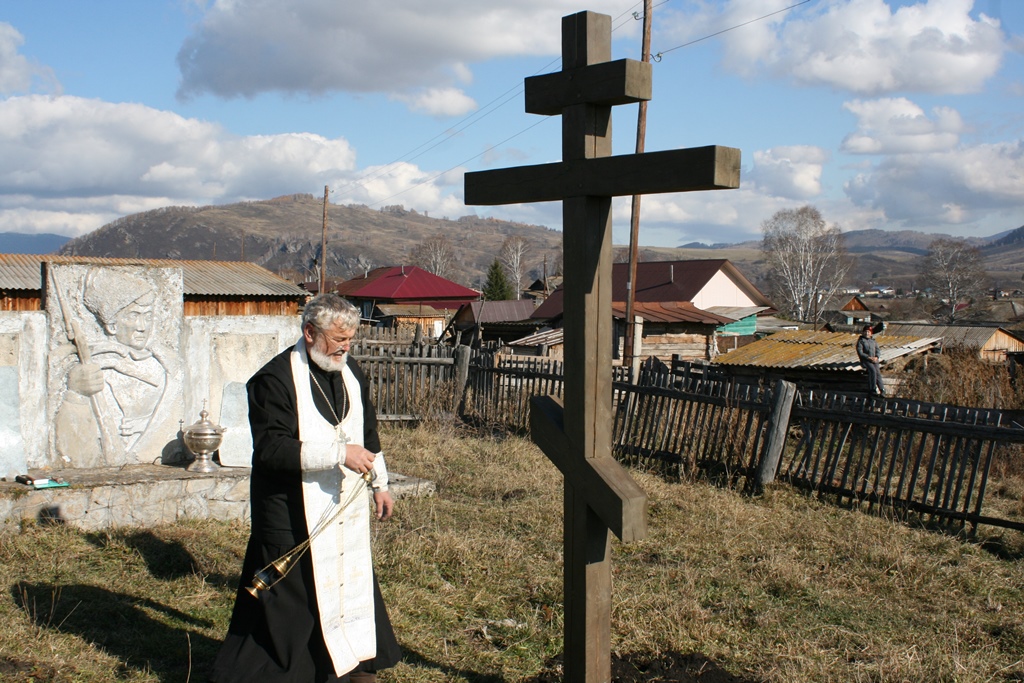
408 381
907 456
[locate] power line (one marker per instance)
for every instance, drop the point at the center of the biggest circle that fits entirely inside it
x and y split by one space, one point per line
659 55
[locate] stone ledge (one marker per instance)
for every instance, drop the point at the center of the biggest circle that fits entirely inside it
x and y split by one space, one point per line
146 495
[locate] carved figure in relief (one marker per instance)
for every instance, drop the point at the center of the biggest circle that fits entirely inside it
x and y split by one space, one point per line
112 397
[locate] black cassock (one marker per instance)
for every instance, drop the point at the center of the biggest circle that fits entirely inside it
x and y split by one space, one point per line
277 637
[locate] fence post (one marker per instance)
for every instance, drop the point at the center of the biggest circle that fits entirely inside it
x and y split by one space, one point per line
462 354
775 439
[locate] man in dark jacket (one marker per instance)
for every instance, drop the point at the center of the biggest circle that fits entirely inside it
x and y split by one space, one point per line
867 352
315 443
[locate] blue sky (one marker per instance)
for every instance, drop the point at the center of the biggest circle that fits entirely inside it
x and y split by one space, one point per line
888 114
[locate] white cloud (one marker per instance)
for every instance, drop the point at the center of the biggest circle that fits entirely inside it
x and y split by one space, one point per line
791 172
897 125
246 47
108 159
17 73
956 187
861 46
439 102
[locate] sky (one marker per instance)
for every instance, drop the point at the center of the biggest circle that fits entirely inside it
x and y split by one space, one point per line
888 114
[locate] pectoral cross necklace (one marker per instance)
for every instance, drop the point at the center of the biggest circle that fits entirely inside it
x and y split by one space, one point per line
330 406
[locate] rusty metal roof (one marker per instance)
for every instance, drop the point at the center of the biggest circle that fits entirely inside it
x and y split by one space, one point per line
200 278
820 350
671 312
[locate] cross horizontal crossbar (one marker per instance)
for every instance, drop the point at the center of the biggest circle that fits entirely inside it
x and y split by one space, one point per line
623 81
610 492
677 170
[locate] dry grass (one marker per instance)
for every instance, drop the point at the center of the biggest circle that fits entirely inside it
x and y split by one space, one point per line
779 588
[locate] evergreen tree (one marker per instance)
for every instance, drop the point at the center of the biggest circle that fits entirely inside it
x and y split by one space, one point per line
497 287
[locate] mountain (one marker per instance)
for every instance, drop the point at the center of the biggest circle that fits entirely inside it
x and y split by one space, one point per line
284 235
20 243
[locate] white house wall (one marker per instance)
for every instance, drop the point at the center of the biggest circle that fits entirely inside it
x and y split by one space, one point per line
721 290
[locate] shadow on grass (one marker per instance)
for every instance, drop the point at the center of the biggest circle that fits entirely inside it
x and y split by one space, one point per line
142 634
413 658
668 667
165 560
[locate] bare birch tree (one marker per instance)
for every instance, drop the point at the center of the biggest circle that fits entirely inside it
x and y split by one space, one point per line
434 254
955 272
805 260
513 256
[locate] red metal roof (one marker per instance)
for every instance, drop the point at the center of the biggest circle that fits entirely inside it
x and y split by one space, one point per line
406 284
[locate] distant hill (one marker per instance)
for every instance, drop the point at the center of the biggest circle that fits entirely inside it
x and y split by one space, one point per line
20 243
283 235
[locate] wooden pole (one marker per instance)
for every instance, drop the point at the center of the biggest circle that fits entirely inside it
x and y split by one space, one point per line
323 247
634 219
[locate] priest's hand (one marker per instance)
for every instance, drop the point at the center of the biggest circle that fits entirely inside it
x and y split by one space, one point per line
384 504
358 459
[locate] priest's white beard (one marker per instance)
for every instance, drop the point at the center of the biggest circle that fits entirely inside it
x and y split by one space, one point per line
332 363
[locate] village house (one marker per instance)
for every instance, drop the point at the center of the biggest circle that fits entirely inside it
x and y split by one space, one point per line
493 321
992 343
688 308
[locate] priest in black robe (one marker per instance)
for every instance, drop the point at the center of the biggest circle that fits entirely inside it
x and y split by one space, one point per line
315 444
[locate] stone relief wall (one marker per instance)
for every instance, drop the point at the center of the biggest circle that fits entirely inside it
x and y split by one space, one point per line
22 392
154 369
115 379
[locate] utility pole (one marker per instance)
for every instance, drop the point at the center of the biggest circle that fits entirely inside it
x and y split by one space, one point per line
634 221
323 247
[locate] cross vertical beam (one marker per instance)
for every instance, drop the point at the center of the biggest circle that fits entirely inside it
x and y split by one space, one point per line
600 496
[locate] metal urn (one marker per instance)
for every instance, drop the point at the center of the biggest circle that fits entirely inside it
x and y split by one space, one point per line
203 439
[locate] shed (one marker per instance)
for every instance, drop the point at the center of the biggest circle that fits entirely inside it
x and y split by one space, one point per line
408 316
210 287
991 343
495 320
816 358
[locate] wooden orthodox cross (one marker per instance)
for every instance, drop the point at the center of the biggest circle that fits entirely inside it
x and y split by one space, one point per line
600 496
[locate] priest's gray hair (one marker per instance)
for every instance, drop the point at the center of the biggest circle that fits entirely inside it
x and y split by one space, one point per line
327 310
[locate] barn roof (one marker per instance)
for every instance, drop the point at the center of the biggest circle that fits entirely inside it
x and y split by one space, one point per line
410 310
820 350
397 283
199 278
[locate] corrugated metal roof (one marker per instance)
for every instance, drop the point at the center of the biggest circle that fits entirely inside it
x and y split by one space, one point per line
736 312
404 282
671 312
200 278
952 335
819 350
496 311
545 337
